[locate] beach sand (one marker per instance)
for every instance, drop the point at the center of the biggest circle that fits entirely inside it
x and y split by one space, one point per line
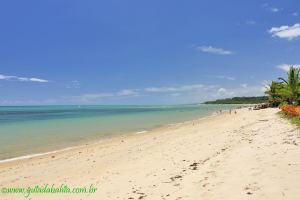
248 155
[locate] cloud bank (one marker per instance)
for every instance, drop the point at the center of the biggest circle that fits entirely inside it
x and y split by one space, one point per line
230 78
93 97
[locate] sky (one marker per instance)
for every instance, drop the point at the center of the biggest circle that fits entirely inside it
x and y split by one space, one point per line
143 52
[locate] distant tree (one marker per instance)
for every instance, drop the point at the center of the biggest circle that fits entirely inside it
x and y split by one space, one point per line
240 100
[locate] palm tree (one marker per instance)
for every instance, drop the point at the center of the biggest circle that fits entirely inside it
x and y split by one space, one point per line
291 86
274 93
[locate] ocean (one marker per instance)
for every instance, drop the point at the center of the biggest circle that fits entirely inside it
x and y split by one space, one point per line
27 130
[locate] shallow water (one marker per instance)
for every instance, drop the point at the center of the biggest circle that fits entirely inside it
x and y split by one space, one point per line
33 129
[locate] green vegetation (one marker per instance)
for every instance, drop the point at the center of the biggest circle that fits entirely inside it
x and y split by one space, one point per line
285 91
240 100
274 97
281 92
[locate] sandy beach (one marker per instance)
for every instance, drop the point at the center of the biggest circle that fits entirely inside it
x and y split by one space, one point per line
248 155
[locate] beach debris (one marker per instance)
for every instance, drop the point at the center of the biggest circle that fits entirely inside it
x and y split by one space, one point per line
142 196
137 192
224 149
250 188
176 177
263 120
194 166
261 106
290 142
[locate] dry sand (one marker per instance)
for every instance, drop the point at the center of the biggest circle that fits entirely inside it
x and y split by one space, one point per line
250 155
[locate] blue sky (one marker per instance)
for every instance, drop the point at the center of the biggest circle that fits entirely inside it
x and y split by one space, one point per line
143 52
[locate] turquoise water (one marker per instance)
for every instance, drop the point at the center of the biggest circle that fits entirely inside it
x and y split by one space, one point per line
35 129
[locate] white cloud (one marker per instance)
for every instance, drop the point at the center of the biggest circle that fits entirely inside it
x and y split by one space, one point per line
227 77
295 14
242 90
230 78
286 32
200 92
209 90
183 88
17 78
286 67
213 50
33 80
224 92
127 93
89 98
3 77
193 93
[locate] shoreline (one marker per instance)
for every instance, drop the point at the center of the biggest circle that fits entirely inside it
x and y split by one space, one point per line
251 154
105 138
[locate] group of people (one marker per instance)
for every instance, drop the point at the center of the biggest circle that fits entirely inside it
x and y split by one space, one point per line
230 111
234 111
